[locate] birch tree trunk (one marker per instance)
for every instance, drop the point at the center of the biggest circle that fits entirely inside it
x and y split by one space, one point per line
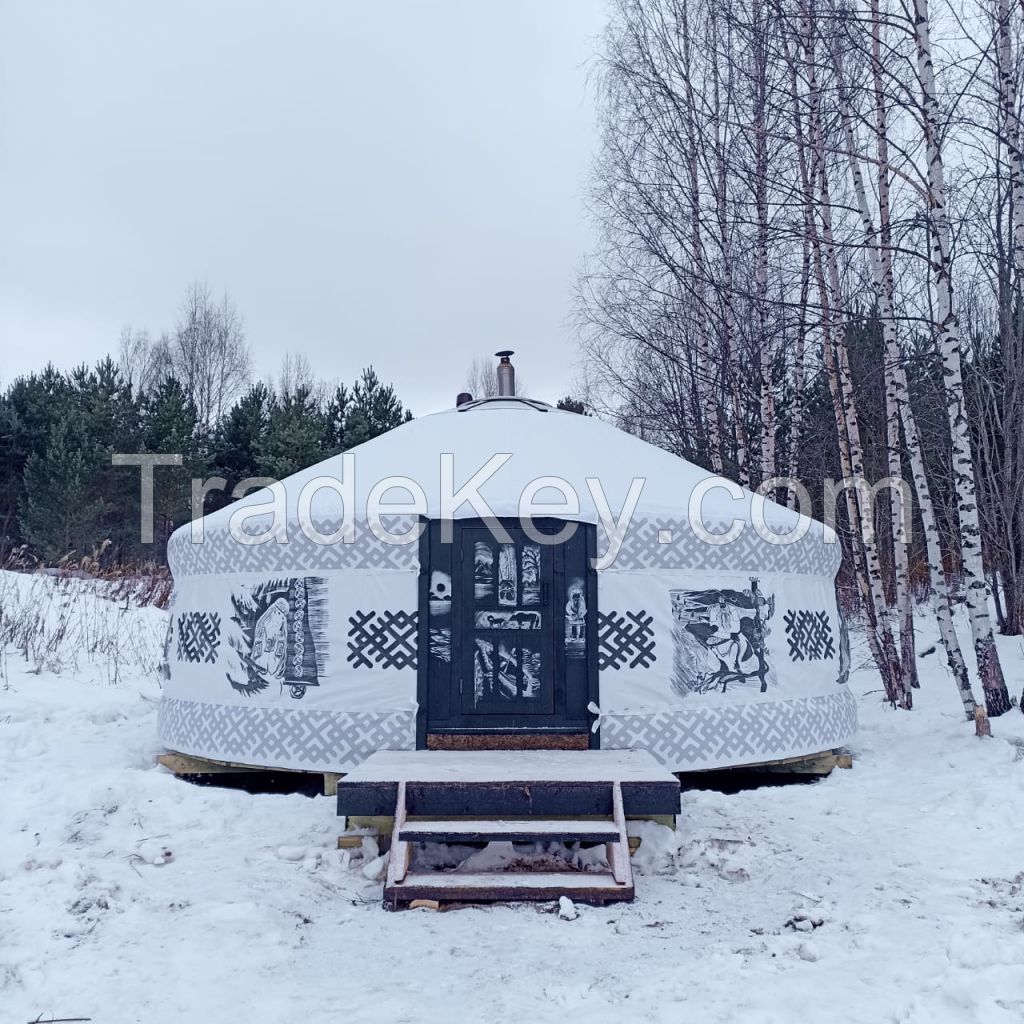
997 699
730 333
814 179
904 597
796 413
705 361
1013 346
894 395
760 128
942 602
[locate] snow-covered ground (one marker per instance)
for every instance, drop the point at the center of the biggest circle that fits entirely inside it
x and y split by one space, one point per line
890 893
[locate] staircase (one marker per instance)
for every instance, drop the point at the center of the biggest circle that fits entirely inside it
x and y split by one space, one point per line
513 796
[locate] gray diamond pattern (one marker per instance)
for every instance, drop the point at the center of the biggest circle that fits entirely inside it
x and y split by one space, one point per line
713 737
281 737
642 549
682 739
221 553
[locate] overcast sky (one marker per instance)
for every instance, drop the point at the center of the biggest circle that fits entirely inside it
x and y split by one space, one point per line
395 183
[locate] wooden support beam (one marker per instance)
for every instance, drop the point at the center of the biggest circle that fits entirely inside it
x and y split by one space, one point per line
819 764
189 766
184 764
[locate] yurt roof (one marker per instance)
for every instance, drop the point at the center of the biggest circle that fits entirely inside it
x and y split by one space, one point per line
541 441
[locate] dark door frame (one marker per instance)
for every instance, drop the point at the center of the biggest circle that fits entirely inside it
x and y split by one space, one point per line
423 680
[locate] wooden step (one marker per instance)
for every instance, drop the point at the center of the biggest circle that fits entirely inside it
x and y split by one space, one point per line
508 783
466 775
475 887
521 830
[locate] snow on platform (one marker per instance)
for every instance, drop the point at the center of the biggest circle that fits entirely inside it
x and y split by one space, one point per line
498 766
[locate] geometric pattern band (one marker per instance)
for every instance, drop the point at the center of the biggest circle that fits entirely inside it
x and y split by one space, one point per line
220 552
314 740
654 543
671 544
692 738
682 738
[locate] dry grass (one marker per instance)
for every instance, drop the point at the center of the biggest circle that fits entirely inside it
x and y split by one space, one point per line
73 616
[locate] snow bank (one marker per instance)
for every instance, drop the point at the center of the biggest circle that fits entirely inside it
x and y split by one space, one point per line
891 892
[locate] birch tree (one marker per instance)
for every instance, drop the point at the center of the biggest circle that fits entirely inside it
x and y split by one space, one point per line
947 331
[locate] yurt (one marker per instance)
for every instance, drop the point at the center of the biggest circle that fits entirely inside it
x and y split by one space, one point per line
504 574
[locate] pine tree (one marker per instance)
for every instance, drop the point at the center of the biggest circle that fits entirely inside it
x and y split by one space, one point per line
110 423
374 410
169 427
61 512
360 413
336 416
570 404
239 439
10 477
31 407
295 434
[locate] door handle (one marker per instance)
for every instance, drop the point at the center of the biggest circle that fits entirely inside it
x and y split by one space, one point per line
545 595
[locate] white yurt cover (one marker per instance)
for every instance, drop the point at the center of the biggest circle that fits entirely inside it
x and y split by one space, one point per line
287 651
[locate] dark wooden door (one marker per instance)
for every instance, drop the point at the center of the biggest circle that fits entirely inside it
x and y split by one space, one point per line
507 629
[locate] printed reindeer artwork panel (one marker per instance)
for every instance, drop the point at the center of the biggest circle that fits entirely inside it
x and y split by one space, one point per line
720 638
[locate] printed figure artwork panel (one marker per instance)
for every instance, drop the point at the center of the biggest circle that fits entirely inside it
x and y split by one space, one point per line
809 635
198 637
507 620
505 670
575 620
440 594
383 639
508 589
530 591
280 635
483 570
721 639
625 640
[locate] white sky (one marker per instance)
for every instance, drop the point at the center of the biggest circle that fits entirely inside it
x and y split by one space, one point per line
395 183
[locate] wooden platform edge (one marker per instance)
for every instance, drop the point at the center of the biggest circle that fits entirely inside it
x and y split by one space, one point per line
811 764
187 765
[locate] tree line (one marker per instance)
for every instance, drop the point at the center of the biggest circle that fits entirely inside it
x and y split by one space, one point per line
810 260
188 392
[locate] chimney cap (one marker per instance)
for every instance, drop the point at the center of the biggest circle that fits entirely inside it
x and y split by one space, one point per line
505 353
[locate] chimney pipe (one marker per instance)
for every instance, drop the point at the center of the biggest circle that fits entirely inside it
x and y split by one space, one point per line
506 374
